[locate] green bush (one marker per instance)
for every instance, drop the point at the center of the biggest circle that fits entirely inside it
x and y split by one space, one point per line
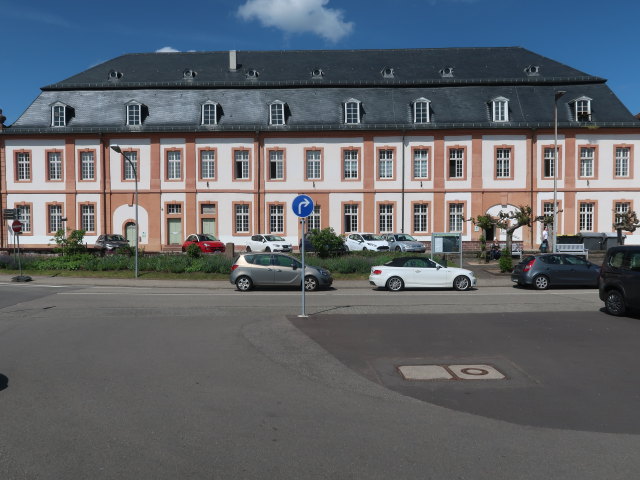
193 251
505 261
326 242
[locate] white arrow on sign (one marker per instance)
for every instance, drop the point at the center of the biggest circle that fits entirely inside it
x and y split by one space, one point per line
303 203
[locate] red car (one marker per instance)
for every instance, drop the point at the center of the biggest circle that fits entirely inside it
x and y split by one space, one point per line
207 243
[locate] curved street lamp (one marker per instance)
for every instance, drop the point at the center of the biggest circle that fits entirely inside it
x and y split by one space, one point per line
117 149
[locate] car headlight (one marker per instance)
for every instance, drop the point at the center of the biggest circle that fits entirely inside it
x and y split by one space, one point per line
371 244
325 273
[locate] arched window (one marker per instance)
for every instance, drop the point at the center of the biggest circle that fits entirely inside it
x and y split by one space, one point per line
500 109
421 107
352 111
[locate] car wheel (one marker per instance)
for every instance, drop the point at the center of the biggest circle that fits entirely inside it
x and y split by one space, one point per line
541 282
244 283
462 282
398 249
395 284
364 249
267 249
248 248
310 283
614 303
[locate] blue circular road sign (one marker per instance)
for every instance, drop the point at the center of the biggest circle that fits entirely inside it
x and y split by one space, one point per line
302 206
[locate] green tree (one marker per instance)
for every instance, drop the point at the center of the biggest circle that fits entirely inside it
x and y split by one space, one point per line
70 244
326 242
485 223
512 221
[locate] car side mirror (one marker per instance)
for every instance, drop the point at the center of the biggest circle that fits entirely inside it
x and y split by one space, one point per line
295 267
438 267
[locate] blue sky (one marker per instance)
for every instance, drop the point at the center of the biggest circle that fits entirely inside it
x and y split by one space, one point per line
44 42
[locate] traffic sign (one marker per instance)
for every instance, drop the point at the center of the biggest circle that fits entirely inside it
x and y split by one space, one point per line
9 213
16 226
302 206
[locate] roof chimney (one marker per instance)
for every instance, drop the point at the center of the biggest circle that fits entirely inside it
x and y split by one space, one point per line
233 64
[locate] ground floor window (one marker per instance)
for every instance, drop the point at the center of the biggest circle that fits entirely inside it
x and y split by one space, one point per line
351 218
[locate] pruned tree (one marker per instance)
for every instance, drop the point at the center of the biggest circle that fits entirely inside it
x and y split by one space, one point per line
485 223
512 221
627 221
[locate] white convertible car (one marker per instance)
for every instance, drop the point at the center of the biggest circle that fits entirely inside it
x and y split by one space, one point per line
419 272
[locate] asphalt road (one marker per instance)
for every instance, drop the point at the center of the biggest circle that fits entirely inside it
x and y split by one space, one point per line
137 379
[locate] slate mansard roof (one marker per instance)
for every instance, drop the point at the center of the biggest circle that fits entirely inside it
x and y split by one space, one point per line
459 83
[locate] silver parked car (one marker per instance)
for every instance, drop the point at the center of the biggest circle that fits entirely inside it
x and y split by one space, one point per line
276 269
555 269
402 242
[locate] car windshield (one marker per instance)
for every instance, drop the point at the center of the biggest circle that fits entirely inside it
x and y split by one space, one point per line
114 238
207 237
371 236
405 238
273 238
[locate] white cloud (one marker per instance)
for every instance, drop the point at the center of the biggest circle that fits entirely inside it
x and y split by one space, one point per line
167 50
298 16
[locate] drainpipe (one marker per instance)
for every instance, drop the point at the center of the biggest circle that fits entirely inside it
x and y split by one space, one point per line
403 185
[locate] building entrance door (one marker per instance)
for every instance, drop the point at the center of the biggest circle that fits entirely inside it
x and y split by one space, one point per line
130 233
174 227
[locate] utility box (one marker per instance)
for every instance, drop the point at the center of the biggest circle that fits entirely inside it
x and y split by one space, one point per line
593 240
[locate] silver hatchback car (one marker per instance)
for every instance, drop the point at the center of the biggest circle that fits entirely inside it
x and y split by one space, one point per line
275 269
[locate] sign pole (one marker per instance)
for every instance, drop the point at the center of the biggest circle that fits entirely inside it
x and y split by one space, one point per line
304 315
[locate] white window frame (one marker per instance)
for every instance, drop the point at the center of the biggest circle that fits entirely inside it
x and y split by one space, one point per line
350 164
209 113
55 218
128 170
385 217
582 109
87 166
549 162
456 217
276 164
54 166
59 115
313 220
208 164
503 162
385 163
457 162
352 112
174 165
88 218
586 216
587 161
276 113
174 209
420 217
500 109
23 165
134 114
421 163
241 164
24 215
313 167
241 218
276 218
421 110
350 216
623 157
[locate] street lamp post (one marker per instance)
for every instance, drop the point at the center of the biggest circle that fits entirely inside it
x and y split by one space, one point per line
554 234
117 149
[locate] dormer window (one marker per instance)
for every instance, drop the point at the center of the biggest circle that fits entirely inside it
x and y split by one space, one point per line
352 111
532 70
252 74
189 74
317 73
136 113
446 72
500 110
421 108
387 72
209 113
61 114
277 113
114 75
582 109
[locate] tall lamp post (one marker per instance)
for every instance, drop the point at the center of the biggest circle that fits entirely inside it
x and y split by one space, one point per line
554 235
117 149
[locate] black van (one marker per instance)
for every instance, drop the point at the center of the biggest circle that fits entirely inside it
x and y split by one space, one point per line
619 280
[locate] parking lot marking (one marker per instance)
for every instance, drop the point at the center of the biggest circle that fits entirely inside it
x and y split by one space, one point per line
424 372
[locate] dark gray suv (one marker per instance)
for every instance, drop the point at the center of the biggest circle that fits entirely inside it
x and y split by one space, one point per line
619 281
